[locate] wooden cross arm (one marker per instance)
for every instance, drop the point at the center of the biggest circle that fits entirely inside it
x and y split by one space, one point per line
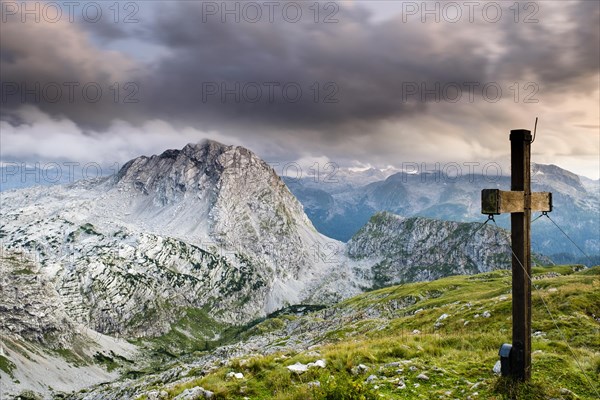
495 201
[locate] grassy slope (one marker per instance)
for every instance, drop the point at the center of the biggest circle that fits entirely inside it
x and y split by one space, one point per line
457 358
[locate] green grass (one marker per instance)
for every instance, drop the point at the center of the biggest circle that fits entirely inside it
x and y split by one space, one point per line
23 271
28 395
7 366
457 358
108 361
72 357
194 333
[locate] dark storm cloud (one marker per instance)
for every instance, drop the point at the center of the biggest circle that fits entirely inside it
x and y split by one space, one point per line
362 65
365 65
350 71
56 67
107 30
557 53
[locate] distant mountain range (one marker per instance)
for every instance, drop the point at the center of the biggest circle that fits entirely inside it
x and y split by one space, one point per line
339 211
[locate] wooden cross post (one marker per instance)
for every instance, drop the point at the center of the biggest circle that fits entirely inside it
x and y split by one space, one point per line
519 202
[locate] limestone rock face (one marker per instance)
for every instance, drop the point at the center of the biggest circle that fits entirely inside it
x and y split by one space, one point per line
30 308
209 226
42 348
413 249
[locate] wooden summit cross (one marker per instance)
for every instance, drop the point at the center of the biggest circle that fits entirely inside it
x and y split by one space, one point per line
519 202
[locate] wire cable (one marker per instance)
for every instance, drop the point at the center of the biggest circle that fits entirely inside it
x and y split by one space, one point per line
568 237
538 217
538 291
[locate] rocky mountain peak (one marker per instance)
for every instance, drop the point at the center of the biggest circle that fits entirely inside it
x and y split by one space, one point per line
208 226
554 176
198 173
186 169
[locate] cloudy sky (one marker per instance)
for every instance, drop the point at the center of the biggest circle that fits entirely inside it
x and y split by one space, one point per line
357 83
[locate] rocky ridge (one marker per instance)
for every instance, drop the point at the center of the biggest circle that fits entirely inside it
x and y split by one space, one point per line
414 249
